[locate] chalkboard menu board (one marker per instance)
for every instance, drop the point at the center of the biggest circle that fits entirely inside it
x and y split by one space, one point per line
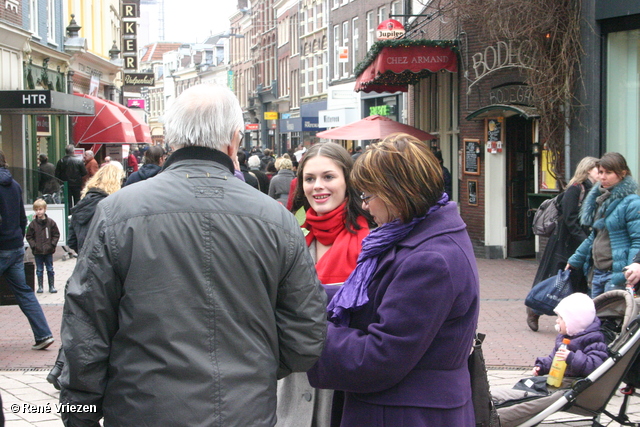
472 156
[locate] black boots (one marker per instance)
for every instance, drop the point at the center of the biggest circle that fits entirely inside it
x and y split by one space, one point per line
532 319
52 288
40 280
54 374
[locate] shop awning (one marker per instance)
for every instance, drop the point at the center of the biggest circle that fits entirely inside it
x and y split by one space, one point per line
43 102
140 128
393 65
107 126
504 110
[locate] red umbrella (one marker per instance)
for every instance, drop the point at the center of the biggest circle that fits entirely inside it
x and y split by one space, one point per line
373 127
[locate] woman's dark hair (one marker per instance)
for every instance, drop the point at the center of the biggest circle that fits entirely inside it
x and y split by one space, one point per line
271 167
153 155
340 156
403 172
3 160
615 163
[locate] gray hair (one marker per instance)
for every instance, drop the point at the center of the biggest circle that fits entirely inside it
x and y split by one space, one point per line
254 161
204 116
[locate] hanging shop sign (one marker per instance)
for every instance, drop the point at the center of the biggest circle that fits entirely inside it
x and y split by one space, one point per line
390 29
252 126
139 79
130 12
271 115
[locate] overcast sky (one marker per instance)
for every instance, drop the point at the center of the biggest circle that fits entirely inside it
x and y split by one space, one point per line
194 20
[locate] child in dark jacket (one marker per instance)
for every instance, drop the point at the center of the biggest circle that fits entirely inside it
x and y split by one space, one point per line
42 236
587 350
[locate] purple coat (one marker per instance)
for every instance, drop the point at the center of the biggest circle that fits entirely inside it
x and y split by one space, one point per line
588 351
409 345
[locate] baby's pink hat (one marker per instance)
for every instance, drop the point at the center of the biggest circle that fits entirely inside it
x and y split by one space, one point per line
577 311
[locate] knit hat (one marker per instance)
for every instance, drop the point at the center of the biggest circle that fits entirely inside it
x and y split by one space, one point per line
577 311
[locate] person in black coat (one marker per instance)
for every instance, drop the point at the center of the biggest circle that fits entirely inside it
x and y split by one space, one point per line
254 168
47 182
569 234
153 160
71 169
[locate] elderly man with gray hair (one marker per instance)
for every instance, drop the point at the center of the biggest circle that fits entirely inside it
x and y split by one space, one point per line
193 293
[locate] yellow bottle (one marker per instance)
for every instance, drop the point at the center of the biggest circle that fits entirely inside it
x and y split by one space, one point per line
556 373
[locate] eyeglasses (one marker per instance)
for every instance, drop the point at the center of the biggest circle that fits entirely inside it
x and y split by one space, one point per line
241 137
366 199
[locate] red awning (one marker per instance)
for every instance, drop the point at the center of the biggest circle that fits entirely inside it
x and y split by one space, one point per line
396 67
108 126
140 128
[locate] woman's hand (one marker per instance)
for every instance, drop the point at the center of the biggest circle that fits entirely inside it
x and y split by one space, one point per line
535 371
632 273
562 353
569 266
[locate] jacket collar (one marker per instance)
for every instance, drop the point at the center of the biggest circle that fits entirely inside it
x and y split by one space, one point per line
199 153
444 220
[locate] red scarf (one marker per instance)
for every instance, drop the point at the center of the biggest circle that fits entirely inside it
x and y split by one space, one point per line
330 229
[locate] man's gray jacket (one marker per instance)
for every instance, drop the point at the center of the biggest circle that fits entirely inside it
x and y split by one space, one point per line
193 293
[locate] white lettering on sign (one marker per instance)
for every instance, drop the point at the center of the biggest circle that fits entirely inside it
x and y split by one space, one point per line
12 5
34 99
397 60
429 59
503 55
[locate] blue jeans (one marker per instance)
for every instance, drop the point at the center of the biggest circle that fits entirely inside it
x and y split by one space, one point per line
601 282
12 267
43 261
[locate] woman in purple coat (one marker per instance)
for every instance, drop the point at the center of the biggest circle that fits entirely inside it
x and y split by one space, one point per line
403 323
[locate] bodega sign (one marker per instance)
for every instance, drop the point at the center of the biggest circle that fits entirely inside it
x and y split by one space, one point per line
390 29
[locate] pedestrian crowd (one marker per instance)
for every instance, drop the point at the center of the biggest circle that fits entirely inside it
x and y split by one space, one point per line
216 286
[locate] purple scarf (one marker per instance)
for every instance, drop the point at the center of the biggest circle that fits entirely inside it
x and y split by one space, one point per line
353 293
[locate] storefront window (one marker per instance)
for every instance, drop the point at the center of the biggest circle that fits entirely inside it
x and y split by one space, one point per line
623 96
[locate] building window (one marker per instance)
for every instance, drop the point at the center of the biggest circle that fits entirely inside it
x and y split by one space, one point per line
325 70
303 21
345 44
395 9
355 57
382 14
371 29
336 51
33 16
51 21
336 4
623 96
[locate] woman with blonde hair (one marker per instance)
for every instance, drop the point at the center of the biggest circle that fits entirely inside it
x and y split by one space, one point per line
281 183
402 325
106 181
569 234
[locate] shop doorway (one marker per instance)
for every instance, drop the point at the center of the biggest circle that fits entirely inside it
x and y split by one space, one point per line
520 181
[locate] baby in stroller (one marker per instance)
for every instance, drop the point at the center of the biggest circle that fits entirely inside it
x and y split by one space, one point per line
587 350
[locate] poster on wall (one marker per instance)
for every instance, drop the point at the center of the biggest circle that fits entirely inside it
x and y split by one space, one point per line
494 135
471 156
472 191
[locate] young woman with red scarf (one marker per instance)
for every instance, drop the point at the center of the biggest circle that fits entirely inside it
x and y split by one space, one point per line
336 225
